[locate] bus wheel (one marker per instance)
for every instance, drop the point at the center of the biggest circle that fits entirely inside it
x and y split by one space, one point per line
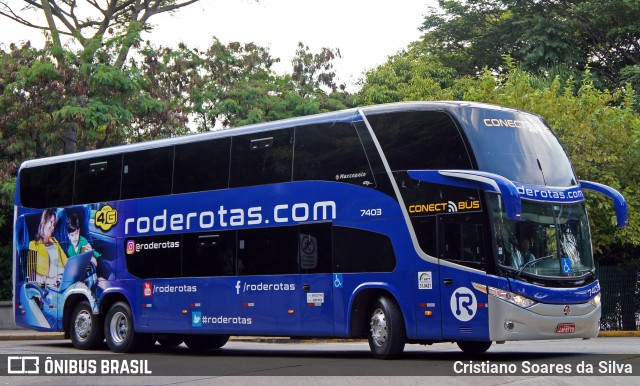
205 342
118 329
386 329
170 340
470 347
85 329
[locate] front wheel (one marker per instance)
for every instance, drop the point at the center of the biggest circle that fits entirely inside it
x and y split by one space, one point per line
118 330
85 329
386 329
470 347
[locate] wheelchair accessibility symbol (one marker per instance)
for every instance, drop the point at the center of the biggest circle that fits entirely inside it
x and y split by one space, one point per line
566 265
463 304
337 280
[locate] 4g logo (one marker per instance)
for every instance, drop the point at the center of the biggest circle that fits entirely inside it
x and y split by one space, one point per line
106 218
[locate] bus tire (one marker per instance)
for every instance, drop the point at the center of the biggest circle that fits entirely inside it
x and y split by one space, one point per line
386 329
118 329
84 328
205 342
472 347
170 340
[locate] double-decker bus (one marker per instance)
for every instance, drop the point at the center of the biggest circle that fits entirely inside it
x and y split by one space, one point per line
416 222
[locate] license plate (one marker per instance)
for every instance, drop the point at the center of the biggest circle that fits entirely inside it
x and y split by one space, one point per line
566 328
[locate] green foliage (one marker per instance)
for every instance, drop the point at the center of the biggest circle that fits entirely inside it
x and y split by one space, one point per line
472 34
234 84
407 76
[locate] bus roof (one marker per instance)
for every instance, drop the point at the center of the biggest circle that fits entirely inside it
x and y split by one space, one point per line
349 115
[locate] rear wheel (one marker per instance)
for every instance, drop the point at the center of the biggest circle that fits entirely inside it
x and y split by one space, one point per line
470 347
169 340
118 330
85 329
205 342
386 329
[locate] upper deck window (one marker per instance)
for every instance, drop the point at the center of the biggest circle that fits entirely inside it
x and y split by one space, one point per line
331 152
202 166
97 179
47 186
420 140
261 158
147 173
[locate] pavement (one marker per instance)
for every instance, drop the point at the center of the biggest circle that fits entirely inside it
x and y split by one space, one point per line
24 334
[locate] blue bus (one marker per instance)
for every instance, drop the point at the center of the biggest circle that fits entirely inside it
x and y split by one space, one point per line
416 222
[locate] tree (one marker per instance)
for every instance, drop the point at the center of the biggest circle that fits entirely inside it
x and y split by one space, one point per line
235 85
601 34
89 23
408 75
105 31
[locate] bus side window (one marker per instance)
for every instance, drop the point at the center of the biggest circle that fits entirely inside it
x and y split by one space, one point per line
147 173
314 248
420 140
357 250
268 251
261 158
463 241
154 256
209 254
47 186
97 179
201 166
331 152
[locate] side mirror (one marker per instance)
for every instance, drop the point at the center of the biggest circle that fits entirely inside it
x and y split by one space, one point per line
619 203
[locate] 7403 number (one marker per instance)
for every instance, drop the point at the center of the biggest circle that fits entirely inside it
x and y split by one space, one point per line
370 212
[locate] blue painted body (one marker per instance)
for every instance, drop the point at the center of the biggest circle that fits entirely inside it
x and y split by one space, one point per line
279 305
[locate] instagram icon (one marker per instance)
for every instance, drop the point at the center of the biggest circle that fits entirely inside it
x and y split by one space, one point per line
131 247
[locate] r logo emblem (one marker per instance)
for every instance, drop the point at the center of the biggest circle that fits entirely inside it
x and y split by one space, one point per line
463 304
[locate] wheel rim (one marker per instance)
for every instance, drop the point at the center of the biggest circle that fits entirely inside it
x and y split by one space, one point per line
378 327
119 327
83 325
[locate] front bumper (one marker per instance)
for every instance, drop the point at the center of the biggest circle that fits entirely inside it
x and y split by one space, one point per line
510 322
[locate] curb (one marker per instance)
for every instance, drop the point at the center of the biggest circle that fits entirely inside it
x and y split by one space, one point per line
618 334
8 336
32 336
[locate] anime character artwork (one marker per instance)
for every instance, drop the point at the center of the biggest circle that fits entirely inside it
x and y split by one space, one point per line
58 258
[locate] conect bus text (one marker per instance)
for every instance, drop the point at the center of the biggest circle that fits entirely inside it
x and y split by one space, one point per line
237 217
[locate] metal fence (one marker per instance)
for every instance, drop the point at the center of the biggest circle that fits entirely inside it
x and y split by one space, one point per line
620 298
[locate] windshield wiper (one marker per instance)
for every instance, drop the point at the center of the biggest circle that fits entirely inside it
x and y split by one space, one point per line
529 263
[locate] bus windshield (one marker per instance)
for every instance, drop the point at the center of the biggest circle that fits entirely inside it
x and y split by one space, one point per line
527 151
551 240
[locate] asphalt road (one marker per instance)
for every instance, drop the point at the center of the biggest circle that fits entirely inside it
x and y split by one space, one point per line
551 362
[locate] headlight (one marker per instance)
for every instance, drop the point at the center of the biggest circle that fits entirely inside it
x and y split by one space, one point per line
510 297
595 301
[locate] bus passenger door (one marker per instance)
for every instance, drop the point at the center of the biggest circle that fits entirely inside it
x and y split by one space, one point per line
314 259
461 250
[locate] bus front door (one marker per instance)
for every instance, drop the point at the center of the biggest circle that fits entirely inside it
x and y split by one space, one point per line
462 274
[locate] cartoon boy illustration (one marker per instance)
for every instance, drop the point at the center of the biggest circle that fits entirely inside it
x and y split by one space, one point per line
79 244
